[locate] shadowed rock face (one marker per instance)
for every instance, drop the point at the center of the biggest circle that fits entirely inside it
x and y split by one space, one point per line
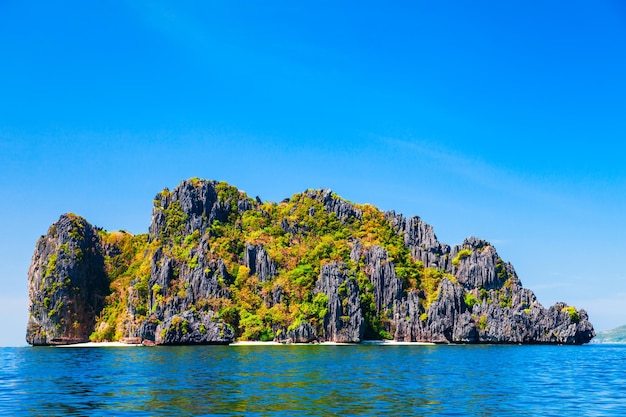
66 283
382 274
259 262
344 321
190 328
193 280
303 333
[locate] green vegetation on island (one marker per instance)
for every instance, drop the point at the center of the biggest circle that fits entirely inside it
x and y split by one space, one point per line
313 238
217 266
617 335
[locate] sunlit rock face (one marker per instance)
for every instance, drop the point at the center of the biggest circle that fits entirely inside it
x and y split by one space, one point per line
218 266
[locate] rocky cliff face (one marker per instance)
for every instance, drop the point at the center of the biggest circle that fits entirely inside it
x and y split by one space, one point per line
217 266
185 275
344 321
66 283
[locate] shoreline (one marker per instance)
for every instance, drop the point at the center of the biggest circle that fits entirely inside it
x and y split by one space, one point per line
257 343
363 342
397 343
99 344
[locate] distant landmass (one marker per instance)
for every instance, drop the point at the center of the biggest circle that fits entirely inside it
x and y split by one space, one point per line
617 335
218 266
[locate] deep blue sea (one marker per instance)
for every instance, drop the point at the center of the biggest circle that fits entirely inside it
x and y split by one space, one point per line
323 380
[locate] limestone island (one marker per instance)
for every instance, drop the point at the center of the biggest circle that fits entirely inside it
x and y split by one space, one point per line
217 266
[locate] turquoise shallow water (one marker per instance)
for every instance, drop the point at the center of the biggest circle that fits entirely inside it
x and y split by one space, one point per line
315 380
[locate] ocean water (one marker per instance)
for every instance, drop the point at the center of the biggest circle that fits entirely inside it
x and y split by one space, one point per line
323 380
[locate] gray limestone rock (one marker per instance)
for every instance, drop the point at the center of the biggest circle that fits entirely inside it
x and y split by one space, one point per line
191 327
199 204
303 333
420 238
66 283
333 204
344 321
259 262
444 312
407 319
382 274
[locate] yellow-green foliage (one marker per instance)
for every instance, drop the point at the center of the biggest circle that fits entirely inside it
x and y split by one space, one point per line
299 235
77 231
482 322
318 237
228 196
174 222
470 299
177 324
501 270
431 279
573 313
463 253
183 251
131 264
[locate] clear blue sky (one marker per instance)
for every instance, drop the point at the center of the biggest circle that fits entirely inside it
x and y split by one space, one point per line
502 120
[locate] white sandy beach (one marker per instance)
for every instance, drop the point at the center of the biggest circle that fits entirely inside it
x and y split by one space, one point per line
99 345
395 343
364 342
257 343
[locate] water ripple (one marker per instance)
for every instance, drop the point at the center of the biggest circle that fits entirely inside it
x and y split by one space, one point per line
315 380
